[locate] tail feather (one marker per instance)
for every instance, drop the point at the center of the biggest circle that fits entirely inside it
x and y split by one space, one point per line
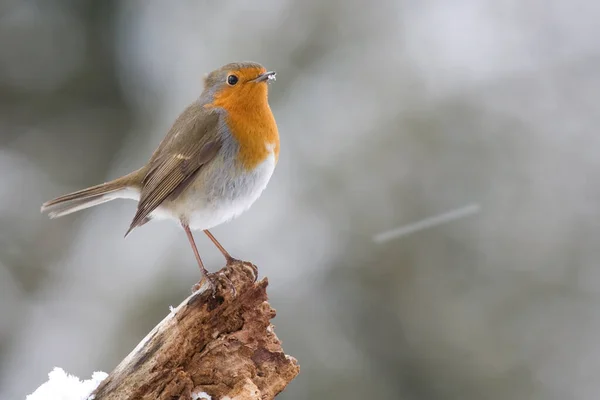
62 209
90 197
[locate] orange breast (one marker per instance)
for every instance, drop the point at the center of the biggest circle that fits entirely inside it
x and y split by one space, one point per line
251 122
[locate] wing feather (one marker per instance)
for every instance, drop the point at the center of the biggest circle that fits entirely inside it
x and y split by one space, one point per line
192 142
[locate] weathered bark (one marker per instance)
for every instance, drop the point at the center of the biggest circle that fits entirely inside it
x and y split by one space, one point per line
223 345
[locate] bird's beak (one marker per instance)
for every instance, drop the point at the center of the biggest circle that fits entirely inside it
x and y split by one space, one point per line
267 76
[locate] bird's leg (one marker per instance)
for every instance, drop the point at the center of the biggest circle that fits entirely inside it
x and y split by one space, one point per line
227 256
205 274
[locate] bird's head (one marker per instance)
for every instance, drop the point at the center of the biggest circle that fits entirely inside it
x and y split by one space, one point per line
235 85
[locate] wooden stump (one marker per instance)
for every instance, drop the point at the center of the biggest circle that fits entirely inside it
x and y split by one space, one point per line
222 345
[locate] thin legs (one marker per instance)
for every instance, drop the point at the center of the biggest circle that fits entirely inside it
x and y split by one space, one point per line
188 232
227 256
205 274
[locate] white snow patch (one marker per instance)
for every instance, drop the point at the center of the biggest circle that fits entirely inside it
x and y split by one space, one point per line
201 396
62 386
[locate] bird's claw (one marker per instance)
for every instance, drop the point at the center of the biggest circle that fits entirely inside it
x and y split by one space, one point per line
230 284
213 282
253 267
210 278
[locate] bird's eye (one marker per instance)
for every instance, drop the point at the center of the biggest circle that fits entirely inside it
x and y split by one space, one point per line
232 80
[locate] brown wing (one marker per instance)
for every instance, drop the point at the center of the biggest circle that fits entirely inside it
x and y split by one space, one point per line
192 142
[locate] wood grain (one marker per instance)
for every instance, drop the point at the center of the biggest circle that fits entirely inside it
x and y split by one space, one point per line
222 345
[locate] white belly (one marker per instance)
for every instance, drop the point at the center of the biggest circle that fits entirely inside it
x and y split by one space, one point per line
219 198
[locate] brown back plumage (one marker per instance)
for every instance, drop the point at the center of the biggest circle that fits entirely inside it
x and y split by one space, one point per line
191 142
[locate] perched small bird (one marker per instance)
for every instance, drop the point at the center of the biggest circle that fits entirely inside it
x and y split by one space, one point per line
214 163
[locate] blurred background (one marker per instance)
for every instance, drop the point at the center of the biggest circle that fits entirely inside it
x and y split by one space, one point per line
390 112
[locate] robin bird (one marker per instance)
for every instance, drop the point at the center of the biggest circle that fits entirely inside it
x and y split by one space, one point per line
213 164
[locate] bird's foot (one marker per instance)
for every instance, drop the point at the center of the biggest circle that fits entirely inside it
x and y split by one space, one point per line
214 280
248 265
229 283
206 279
